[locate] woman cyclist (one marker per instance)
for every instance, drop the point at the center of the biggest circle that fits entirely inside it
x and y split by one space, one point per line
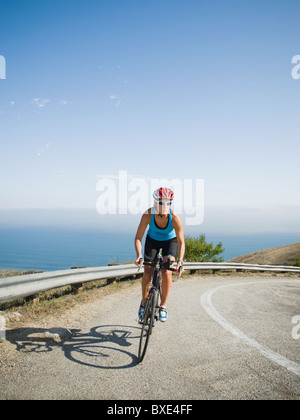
166 232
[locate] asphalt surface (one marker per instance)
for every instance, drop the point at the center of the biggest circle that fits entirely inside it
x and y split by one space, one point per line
226 338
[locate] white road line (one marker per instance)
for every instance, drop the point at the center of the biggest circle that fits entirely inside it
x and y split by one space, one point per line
206 302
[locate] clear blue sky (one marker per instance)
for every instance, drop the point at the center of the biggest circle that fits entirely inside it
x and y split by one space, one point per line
164 88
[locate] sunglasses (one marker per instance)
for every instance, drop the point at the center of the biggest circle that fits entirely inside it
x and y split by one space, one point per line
164 203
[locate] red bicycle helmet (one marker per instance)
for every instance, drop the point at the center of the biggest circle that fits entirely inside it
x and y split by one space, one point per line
163 194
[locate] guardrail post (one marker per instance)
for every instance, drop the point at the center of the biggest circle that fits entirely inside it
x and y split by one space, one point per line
77 288
111 281
30 298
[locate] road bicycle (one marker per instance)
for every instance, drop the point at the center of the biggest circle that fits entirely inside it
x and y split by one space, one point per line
151 313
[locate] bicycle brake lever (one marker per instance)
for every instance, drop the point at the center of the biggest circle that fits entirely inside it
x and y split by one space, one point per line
180 271
140 262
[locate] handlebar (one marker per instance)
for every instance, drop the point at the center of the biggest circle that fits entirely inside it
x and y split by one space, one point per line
164 266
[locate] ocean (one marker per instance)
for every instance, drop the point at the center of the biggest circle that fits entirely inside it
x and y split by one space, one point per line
58 248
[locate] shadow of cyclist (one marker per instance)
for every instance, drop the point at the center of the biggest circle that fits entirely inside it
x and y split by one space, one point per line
103 347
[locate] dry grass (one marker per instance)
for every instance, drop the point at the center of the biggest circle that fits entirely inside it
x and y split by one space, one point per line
283 255
9 273
61 299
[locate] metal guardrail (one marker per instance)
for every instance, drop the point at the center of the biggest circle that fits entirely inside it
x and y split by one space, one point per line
240 266
12 288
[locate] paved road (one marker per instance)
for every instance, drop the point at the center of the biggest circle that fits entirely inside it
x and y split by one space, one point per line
226 338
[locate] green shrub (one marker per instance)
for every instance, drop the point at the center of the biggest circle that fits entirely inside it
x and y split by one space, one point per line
296 263
197 249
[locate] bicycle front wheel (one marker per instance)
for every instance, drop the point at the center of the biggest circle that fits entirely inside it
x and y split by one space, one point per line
148 321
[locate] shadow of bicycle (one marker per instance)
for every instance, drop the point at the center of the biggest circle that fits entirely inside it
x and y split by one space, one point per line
103 347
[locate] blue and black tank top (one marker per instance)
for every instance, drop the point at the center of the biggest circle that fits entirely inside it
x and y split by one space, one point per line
159 234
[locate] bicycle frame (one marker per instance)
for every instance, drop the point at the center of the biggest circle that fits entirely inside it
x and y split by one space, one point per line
152 306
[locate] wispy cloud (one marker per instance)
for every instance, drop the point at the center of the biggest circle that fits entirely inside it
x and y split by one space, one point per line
116 98
43 149
40 103
116 79
65 102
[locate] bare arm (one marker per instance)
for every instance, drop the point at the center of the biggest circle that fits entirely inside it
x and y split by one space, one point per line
177 224
145 220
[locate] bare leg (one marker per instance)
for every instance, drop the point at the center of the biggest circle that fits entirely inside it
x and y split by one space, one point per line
166 284
146 282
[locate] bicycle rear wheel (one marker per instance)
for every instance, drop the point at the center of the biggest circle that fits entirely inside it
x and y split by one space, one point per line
148 321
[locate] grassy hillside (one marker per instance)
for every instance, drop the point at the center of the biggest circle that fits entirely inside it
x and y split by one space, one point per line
283 255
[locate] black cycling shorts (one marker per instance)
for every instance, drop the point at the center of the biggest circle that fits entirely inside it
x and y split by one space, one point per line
152 248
